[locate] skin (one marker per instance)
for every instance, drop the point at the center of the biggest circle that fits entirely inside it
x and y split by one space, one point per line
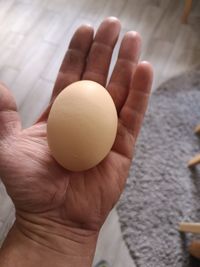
59 212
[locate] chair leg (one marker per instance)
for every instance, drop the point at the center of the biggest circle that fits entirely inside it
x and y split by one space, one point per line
194 161
189 227
197 129
194 249
186 11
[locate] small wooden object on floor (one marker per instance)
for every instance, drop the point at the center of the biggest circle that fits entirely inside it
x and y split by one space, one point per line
194 249
190 227
194 161
186 11
197 129
194 228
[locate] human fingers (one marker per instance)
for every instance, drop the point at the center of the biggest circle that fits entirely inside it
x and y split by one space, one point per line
124 69
101 51
9 117
75 58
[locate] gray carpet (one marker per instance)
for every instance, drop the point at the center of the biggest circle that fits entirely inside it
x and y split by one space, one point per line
161 191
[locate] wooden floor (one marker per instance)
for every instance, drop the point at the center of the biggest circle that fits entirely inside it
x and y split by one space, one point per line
34 35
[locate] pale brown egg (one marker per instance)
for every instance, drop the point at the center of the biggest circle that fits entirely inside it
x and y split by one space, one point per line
82 125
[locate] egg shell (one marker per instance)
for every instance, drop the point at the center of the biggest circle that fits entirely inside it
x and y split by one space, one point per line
82 125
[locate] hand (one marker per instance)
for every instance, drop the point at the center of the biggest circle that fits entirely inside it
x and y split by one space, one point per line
47 197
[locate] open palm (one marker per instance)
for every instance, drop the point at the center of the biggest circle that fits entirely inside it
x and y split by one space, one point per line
37 184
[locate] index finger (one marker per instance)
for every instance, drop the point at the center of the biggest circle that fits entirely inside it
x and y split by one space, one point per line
74 61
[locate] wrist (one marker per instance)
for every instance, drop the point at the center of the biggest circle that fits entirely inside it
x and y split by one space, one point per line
47 244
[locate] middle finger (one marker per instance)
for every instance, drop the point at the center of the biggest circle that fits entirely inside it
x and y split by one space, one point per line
101 51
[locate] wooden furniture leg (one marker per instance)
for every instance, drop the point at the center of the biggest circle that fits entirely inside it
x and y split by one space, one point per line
194 161
197 129
186 11
190 227
194 249
194 228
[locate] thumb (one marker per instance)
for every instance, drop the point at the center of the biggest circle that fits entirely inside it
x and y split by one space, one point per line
9 117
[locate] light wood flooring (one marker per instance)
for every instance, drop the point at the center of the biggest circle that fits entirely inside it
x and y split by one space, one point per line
34 35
